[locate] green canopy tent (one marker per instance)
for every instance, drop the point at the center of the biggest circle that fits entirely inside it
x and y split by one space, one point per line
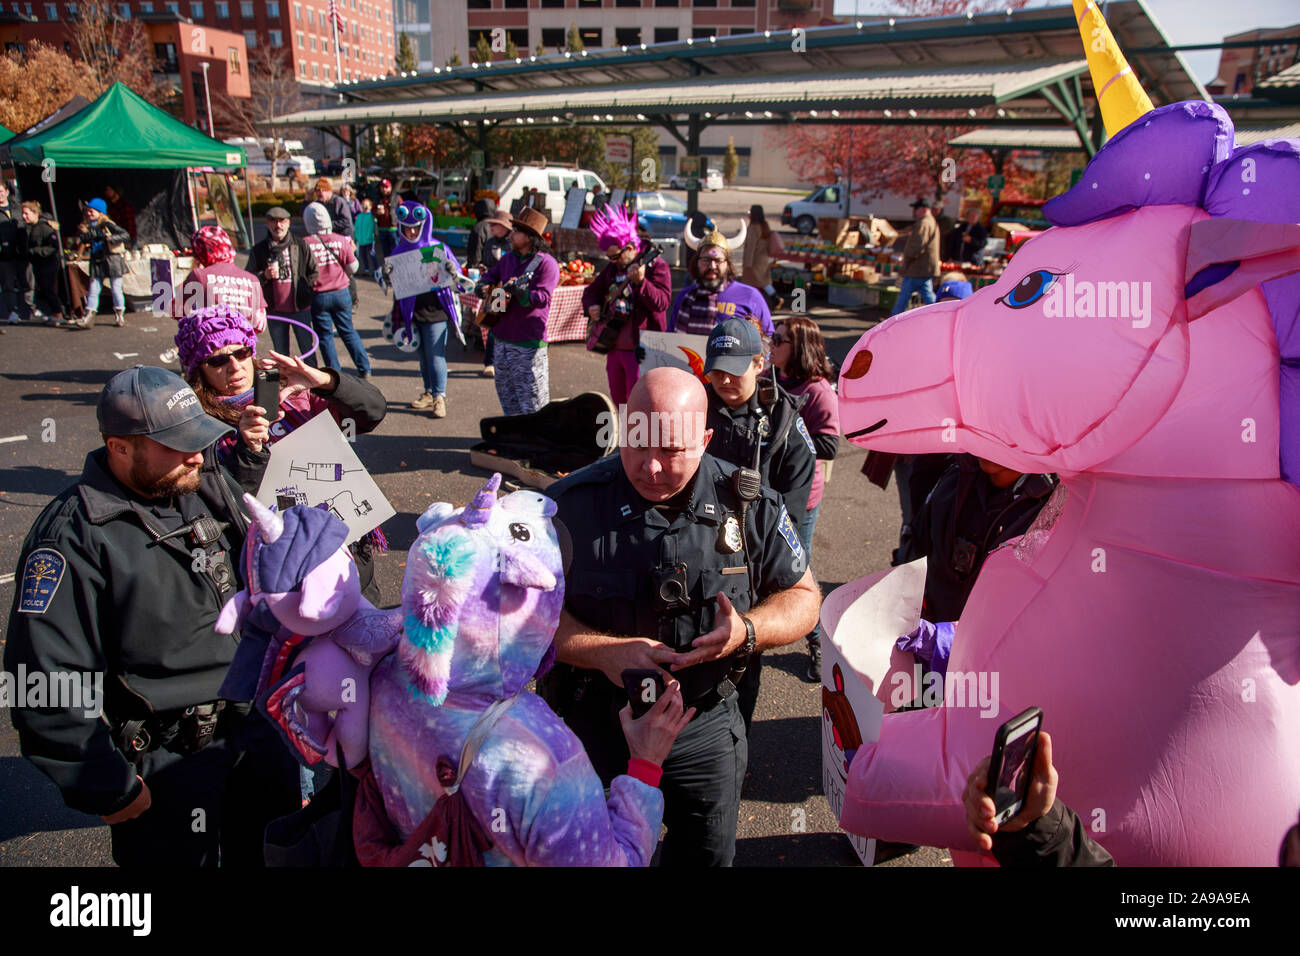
6 133
119 131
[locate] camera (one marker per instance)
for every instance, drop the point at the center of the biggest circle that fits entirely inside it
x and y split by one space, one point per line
669 585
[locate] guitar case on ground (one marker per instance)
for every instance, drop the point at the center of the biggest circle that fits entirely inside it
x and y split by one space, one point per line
542 447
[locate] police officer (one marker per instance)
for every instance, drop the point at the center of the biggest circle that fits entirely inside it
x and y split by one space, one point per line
123 576
756 424
676 566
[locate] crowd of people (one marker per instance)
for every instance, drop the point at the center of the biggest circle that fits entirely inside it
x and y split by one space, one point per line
687 556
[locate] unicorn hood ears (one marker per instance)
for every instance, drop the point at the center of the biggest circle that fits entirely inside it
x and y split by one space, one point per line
482 594
296 564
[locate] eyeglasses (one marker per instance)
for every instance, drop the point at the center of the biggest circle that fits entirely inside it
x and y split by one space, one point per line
779 339
219 361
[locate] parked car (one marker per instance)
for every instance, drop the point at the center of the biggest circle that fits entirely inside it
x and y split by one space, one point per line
554 182
661 215
829 201
711 180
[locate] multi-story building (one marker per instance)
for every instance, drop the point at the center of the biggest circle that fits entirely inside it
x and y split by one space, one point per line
180 49
1241 67
367 41
544 24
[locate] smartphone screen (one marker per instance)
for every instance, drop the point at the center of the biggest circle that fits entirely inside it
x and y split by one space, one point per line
266 391
1011 767
643 687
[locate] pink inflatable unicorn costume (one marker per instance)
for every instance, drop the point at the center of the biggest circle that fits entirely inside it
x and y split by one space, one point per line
1147 350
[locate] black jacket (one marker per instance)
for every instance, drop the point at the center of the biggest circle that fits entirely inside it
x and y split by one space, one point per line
39 242
119 602
102 237
11 226
787 456
301 260
962 521
1056 839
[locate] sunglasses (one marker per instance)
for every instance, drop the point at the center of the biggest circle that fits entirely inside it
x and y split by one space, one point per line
219 361
779 339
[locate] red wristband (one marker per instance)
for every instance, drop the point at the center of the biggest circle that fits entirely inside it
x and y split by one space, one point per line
645 771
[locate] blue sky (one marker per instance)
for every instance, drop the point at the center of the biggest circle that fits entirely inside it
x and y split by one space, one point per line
1184 21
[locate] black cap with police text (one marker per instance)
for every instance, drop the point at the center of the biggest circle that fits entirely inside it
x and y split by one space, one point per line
732 346
160 405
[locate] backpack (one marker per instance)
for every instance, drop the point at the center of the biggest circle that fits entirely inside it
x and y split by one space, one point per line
450 835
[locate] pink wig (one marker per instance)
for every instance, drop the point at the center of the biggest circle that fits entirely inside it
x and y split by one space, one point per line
613 227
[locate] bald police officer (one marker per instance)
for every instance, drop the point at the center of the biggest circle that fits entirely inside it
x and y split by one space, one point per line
677 566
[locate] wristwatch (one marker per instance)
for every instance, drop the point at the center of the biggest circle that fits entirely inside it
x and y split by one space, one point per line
750 639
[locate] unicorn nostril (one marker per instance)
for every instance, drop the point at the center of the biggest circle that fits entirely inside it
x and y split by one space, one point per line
860 366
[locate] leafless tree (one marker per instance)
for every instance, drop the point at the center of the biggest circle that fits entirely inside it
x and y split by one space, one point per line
115 50
275 92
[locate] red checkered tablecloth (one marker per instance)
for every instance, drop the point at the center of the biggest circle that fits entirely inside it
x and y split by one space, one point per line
566 323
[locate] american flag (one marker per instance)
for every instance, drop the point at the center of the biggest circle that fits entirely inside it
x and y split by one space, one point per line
335 15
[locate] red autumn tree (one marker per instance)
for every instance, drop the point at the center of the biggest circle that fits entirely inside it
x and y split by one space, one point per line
887 158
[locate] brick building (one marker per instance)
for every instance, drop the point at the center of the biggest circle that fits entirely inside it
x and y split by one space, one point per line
1240 68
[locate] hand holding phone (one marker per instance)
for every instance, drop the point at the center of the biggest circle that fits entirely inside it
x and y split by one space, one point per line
1011 764
1038 796
266 391
644 687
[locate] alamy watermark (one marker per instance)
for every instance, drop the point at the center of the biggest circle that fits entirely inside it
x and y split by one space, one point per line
1084 299
657 429
977 689
64 690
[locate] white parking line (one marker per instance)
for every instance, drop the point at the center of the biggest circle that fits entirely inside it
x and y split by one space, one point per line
5 441
6 578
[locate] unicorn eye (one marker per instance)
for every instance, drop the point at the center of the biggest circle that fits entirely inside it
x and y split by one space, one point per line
520 532
1029 289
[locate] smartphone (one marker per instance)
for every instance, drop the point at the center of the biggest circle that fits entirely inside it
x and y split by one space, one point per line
266 391
643 687
1012 765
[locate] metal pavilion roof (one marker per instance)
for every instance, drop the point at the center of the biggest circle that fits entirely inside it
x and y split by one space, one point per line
867 44
954 87
1283 87
872 58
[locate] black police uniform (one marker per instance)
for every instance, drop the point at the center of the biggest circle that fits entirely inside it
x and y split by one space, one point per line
99 592
624 550
964 518
787 461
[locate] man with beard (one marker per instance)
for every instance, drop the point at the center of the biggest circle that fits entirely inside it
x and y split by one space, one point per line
716 295
287 270
122 578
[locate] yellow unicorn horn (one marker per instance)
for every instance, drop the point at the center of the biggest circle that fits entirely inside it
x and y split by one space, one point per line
1120 96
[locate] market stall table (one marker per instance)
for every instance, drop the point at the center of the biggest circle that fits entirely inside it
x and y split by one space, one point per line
567 322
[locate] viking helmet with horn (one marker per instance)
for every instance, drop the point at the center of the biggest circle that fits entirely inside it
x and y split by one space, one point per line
715 238
1120 96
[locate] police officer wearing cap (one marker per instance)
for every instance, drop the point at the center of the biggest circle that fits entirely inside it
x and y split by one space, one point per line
677 565
123 575
756 424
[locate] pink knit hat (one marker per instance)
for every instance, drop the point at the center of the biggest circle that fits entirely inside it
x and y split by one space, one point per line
206 331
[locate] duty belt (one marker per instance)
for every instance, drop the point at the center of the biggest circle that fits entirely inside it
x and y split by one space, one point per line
181 731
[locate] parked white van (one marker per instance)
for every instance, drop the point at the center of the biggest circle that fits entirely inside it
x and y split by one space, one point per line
554 182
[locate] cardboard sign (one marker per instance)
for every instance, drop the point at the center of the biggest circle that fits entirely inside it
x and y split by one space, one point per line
417 271
574 203
315 464
861 621
162 284
676 349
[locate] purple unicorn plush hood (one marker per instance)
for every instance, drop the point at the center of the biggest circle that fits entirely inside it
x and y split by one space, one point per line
481 601
482 595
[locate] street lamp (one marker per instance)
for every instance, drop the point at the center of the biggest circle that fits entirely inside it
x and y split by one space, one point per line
207 97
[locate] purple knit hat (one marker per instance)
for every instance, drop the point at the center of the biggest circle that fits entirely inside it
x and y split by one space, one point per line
206 331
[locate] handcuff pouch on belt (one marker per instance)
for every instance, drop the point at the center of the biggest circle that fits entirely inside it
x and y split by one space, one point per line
185 732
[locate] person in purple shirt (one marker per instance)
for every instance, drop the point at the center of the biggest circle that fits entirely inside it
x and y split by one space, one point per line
527 277
716 295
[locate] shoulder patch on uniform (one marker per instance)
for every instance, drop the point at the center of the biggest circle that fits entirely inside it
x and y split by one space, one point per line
41 576
791 535
803 430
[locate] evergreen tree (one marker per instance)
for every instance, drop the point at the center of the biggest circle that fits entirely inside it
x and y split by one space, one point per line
406 58
573 41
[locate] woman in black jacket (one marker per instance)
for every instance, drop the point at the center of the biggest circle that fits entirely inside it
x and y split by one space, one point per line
40 247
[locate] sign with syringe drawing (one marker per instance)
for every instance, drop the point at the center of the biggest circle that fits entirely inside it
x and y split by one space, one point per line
315 465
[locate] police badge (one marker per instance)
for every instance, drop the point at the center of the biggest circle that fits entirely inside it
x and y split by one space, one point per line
729 539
